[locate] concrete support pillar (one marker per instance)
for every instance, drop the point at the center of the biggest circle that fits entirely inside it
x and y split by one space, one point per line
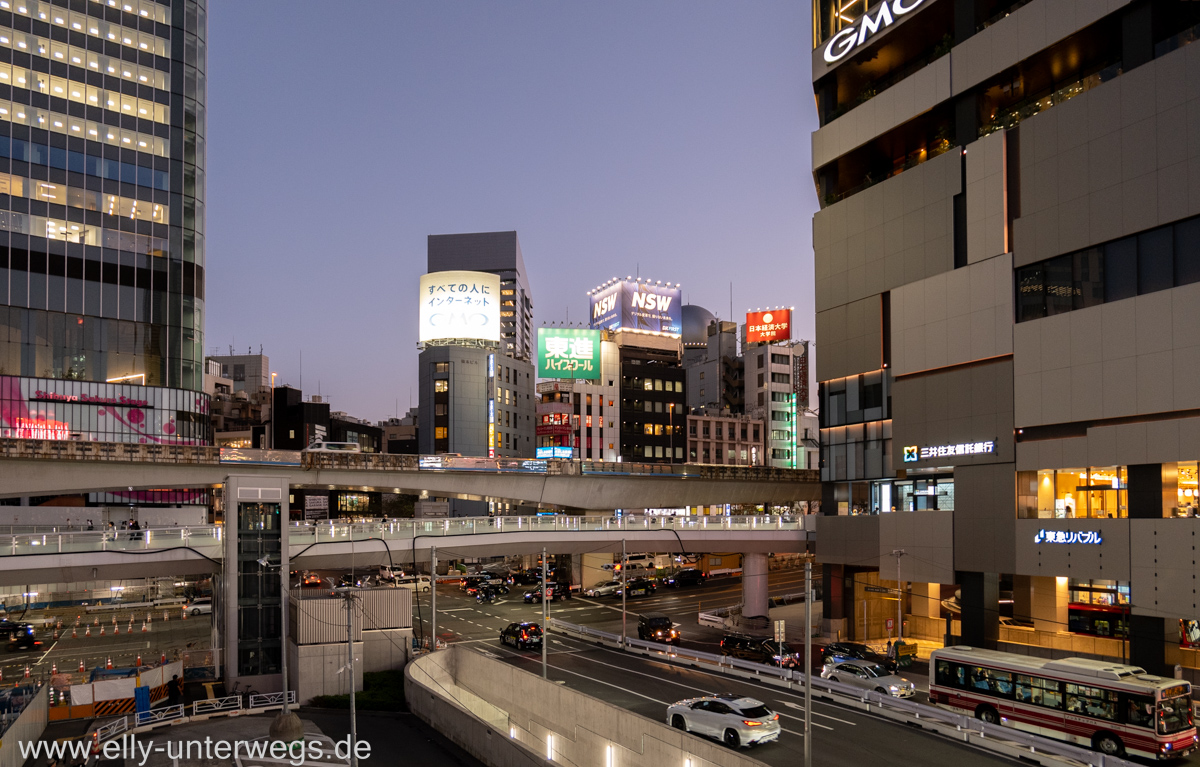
1048 603
980 609
754 586
1147 648
1023 597
926 599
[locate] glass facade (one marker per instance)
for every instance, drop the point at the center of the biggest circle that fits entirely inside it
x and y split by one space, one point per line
102 123
259 608
46 408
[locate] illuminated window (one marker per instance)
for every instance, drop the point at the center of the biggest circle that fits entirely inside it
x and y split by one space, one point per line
441 386
441 432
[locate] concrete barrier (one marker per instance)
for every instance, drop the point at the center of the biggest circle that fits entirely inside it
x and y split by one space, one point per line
508 717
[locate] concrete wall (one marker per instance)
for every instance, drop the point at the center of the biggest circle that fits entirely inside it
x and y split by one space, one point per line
927 537
985 518
848 540
386 649
1131 357
1149 442
481 704
1115 160
313 669
953 317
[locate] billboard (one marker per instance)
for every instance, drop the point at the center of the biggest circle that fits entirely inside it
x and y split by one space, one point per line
568 353
800 376
566 453
768 327
460 305
626 305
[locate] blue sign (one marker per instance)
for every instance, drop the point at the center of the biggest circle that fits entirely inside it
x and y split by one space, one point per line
1068 536
638 306
556 452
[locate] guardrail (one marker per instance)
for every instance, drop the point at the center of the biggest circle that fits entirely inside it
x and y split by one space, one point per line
200 537
266 699
112 729
165 714
215 705
992 737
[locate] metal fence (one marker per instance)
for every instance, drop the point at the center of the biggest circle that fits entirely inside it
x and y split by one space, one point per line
993 737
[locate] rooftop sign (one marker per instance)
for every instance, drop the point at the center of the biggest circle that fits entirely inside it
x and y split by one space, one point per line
877 20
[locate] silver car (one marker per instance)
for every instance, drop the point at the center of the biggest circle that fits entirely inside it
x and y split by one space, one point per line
733 719
869 676
603 589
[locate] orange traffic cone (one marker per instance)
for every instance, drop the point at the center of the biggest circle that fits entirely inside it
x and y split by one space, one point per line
74 633
97 622
101 631
87 632
58 625
185 614
129 628
53 669
27 672
166 615
81 668
144 629
56 633
139 660
149 618
114 620
108 663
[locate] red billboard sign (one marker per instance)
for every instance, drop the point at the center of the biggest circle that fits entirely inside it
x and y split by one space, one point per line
769 327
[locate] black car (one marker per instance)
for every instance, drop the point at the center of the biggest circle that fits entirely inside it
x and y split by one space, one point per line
522 635
688 577
657 627
18 636
557 592
838 651
760 650
640 587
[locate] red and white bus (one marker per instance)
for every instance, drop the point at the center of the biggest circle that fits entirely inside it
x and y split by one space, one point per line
1112 708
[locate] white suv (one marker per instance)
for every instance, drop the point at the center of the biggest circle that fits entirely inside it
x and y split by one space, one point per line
733 719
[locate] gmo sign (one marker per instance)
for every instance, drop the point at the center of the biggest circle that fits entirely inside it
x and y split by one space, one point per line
852 37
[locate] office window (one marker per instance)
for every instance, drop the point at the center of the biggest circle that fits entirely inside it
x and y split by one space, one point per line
1031 293
1120 269
1156 256
701 375
780 359
1187 252
441 432
440 408
441 386
1059 285
649 385
441 367
1089 278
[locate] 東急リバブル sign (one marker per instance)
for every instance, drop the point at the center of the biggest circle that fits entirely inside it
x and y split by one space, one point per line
1068 536
568 353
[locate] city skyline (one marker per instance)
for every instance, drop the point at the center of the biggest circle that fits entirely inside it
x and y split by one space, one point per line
615 140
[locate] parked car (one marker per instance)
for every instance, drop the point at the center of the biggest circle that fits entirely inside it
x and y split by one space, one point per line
760 650
839 651
688 577
414 583
18 636
469 583
556 591
603 589
657 627
869 676
639 587
310 579
522 635
735 720
200 606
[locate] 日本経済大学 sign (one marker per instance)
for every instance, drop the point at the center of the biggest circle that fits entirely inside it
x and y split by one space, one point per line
568 353
459 305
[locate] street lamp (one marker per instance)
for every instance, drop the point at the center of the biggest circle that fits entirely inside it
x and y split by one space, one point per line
286 726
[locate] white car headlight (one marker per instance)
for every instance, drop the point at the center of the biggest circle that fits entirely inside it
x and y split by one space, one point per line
893 688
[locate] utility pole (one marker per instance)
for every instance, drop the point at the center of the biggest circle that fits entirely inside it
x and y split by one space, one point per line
545 614
808 595
350 654
432 596
624 592
897 553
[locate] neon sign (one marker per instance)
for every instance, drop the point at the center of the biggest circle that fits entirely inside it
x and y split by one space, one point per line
1068 536
852 37
914 453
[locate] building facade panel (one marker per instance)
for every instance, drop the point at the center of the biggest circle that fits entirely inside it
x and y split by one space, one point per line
984 525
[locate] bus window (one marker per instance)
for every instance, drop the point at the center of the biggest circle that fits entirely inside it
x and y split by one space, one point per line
1174 715
1038 691
1139 711
1091 701
948 673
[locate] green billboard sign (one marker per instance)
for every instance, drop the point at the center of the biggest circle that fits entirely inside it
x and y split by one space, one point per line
568 353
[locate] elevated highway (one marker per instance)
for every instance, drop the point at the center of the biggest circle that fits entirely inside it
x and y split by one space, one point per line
50 556
48 467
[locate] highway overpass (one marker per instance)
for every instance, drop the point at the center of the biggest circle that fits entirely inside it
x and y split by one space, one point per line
48 556
48 467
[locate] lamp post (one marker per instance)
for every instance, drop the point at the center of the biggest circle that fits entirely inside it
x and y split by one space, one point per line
286 726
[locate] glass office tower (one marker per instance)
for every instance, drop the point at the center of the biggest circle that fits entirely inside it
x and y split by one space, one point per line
102 123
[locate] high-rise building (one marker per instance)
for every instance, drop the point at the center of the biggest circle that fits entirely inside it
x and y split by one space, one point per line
497 253
581 418
1007 262
102 123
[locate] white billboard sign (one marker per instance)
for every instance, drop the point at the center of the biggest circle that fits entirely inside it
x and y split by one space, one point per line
460 305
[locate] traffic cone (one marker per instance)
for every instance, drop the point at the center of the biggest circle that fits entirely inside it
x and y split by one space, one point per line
58 625
129 628
149 618
114 620
163 660
56 634
166 615
101 631
108 663
144 629
75 633
185 614
53 669
27 672
139 661
81 668
87 632
97 623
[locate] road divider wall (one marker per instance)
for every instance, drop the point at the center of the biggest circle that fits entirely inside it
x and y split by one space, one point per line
508 717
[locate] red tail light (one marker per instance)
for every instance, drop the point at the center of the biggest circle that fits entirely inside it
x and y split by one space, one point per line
750 723
524 635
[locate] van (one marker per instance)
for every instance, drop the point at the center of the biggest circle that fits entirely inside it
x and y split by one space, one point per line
419 583
333 447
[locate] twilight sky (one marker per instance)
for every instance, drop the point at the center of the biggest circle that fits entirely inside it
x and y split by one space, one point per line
670 136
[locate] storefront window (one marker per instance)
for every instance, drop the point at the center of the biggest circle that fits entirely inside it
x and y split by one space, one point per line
1097 493
1098 608
1187 494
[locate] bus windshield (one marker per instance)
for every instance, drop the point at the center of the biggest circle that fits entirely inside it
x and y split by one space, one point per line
1174 715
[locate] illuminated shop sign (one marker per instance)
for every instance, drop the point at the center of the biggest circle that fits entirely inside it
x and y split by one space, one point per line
882 17
568 353
87 399
556 452
460 305
1068 536
768 327
913 453
491 387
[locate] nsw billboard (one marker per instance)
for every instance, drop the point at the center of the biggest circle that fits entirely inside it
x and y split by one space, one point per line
460 305
638 306
568 353
769 327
